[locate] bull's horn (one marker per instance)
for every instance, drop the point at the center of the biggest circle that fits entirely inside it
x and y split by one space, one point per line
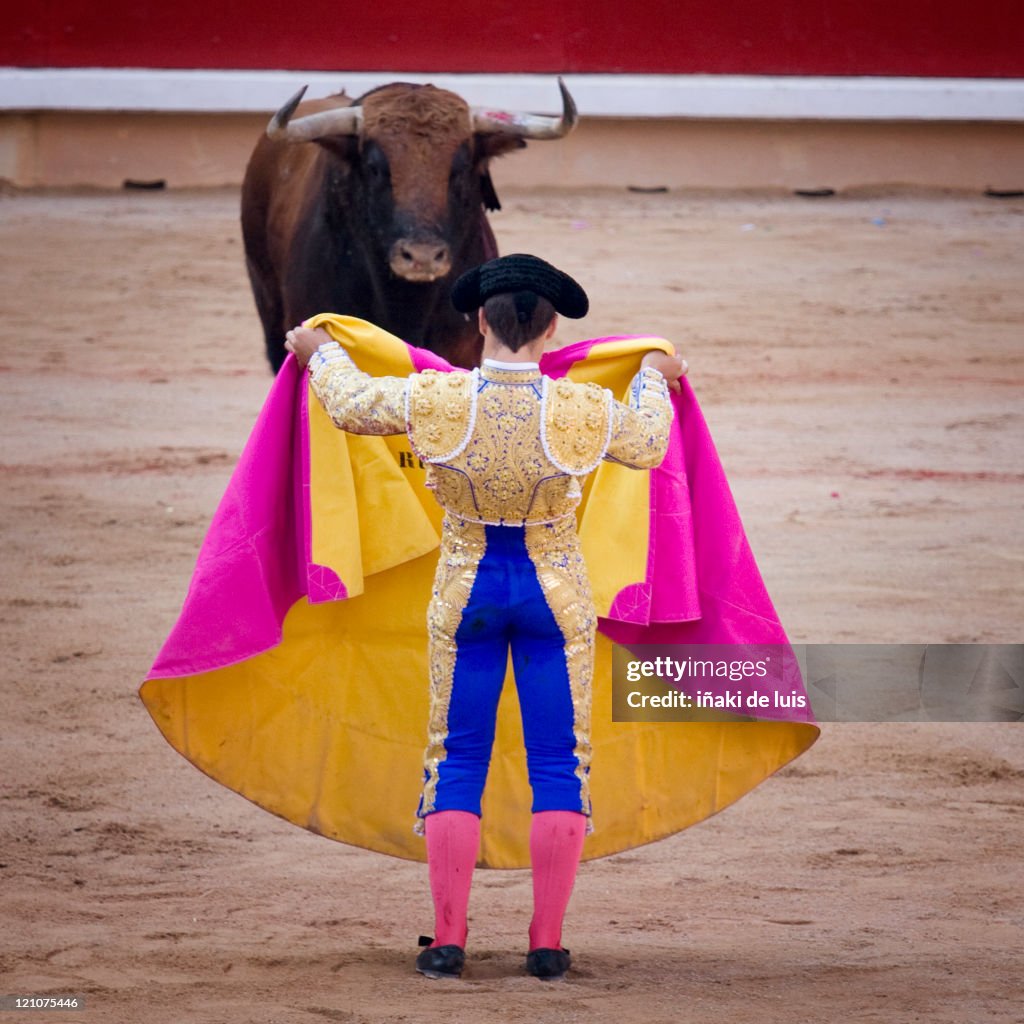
527 126
337 121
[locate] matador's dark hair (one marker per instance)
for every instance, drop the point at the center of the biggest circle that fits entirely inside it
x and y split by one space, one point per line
518 317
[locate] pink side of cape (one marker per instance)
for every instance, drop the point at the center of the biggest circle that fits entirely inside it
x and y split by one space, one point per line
250 567
702 585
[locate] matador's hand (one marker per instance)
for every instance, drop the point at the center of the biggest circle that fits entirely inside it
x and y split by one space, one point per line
672 367
304 341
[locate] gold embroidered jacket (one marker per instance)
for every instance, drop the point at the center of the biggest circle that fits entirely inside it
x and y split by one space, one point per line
503 445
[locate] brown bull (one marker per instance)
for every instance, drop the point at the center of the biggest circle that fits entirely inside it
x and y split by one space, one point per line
373 207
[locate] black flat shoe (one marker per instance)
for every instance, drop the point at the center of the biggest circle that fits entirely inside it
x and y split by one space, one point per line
440 961
548 963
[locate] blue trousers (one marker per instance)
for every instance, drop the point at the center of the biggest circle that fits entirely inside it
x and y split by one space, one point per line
489 599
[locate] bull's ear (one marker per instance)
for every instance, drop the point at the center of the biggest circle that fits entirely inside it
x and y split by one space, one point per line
487 193
489 145
344 146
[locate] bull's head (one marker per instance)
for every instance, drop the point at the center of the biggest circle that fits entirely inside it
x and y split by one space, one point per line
415 160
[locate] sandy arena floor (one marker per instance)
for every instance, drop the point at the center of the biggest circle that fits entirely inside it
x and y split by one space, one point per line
860 362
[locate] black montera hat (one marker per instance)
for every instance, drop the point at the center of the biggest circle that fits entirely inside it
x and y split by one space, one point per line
519 273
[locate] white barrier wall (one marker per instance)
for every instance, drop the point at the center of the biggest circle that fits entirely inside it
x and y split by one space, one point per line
101 127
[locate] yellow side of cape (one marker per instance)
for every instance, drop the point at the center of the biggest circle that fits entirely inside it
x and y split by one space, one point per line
327 730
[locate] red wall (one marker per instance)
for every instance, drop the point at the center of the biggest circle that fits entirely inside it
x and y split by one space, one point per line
809 37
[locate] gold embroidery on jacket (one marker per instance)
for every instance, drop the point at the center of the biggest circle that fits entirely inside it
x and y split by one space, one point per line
359 403
442 409
503 475
575 425
640 430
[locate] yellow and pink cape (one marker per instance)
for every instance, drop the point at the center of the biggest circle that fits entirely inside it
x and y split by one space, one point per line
296 674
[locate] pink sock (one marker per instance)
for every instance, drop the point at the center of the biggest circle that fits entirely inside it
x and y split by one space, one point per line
453 840
556 842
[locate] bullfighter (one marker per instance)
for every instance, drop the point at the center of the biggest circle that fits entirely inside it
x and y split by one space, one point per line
507 451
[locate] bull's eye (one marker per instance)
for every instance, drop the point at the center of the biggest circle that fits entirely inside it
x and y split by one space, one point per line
376 164
460 163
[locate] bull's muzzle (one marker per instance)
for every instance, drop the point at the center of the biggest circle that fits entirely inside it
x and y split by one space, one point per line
420 261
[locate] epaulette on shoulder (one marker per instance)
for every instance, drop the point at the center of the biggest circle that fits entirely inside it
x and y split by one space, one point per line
576 424
440 413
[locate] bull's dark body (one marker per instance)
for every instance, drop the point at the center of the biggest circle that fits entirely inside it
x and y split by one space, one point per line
318 219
